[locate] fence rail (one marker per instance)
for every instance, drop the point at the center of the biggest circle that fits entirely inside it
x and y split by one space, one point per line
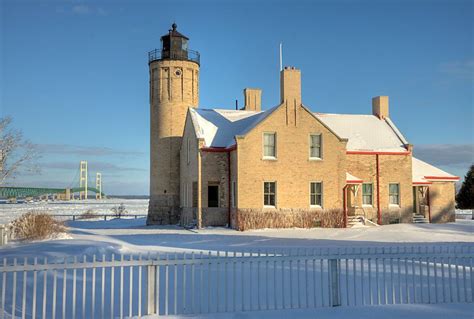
74 217
188 283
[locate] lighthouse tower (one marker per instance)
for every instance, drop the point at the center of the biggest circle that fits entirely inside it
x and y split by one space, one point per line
174 87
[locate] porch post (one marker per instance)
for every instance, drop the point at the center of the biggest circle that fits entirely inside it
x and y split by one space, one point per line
429 204
199 191
344 199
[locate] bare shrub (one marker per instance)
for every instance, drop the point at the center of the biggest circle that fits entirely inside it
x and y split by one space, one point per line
299 218
89 214
35 225
119 211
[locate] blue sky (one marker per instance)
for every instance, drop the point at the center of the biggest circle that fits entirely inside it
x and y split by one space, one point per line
73 74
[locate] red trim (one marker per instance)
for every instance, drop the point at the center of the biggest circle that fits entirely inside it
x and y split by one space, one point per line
454 178
354 181
429 204
421 183
219 149
377 153
344 199
379 214
229 194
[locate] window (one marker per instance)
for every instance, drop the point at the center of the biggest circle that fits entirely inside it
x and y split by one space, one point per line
315 146
367 194
316 194
233 192
269 193
212 196
394 194
269 145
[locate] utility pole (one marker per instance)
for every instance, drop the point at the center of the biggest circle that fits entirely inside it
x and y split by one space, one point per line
98 185
83 180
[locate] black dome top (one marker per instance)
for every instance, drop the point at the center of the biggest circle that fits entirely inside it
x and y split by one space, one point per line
174 33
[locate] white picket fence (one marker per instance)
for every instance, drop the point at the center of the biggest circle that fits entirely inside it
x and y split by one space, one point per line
4 235
183 283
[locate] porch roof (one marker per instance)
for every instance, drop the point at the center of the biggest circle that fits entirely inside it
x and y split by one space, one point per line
351 179
424 173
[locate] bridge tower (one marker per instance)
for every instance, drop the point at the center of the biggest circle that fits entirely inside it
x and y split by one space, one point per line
174 87
83 180
98 185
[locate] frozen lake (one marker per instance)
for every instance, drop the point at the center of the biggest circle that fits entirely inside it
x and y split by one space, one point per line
8 212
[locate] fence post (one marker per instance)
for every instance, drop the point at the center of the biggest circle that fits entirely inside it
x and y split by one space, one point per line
2 231
151 290
334 275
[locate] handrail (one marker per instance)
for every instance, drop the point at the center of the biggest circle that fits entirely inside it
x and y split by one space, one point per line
186 55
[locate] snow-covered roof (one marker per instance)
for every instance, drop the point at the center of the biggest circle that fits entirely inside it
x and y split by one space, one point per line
351 179
219 127
424 173
365 132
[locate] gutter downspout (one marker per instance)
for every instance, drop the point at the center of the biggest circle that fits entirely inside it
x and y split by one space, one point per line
429 204
379 214
199 203
344 199
229 190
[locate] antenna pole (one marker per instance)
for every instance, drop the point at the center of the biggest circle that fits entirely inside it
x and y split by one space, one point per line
281 56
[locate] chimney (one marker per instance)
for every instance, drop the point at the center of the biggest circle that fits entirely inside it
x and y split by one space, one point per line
290 85
380 106
253 99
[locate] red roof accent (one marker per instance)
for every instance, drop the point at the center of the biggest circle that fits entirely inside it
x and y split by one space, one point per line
354 181
377 153
454 178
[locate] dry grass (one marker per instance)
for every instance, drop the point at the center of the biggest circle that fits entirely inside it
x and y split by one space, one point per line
36 225
250 219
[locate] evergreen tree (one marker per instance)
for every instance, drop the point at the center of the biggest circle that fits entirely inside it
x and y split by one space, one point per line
465 196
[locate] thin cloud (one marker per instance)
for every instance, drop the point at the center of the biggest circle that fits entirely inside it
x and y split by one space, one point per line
462 69
85 150
81 9
454 155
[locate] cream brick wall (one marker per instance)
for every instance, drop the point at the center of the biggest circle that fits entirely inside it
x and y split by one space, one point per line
292 170
442 199
174 87
393 169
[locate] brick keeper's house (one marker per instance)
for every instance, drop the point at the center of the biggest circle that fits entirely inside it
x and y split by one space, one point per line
284 163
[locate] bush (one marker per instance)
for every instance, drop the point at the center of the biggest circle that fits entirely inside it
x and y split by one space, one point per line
251 219
36 225
119 211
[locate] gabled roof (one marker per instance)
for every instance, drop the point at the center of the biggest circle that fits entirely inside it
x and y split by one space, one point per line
218 127
424 173
365 132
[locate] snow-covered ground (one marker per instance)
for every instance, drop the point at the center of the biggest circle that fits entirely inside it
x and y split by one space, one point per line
442 311
8 212
132 236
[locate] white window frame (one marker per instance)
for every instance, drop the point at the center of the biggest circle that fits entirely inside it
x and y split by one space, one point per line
371 195
389 195
322 194
267 157
275 194
320 146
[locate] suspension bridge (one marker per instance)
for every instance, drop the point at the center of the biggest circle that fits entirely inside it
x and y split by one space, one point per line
66 193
